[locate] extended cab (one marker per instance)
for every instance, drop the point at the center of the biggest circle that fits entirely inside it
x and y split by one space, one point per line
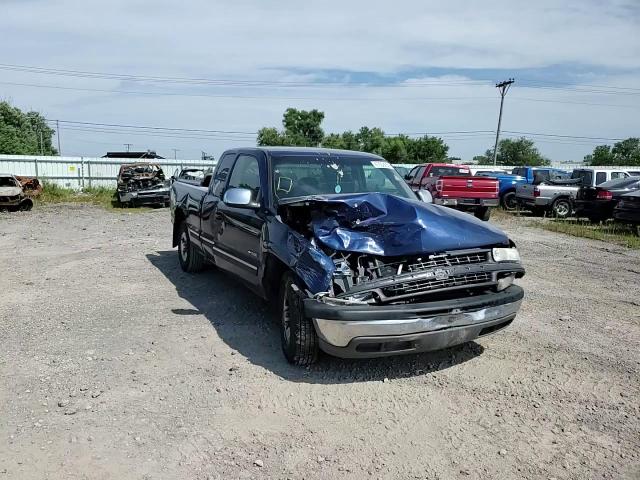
555 192
356 264
454 186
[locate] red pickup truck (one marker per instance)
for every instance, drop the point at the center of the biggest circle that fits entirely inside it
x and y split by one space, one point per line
454 186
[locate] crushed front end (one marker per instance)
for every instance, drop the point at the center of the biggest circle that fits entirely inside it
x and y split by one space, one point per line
142 184
389 293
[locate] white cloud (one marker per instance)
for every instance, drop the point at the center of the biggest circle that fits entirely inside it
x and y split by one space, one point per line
262 40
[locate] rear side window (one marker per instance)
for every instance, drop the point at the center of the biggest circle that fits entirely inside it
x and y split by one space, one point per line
601 177
222 172
519 171
449 171
246 174
586 176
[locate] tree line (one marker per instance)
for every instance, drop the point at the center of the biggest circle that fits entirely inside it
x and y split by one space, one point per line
27 133
24 133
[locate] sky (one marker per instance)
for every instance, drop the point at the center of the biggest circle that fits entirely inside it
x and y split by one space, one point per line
206 75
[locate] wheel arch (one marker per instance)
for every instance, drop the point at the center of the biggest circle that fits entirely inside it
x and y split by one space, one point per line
179 217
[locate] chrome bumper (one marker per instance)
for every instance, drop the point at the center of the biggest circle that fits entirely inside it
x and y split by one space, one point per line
340 333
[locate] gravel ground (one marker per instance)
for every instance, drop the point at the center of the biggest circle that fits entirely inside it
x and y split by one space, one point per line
116 364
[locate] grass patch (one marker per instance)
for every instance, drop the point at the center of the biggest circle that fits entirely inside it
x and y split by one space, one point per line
54 193
101 196
607 232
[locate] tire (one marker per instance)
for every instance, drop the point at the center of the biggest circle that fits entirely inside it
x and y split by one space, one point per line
562 208
25 206
299 338
191 259
483 213
509 201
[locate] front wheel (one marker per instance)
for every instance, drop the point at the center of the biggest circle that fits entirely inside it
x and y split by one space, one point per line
483 213
561 208
299 338
191 259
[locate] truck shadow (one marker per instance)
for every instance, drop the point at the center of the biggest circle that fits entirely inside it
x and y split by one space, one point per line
247 324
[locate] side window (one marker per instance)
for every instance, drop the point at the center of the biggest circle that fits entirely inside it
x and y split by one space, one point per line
419 174
601 177
246 174
618 175
412 173
222 172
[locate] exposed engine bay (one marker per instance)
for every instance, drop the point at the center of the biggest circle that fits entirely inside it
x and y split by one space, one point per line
142 183
140 176
384 250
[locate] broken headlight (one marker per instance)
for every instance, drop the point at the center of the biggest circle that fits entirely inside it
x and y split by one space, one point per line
506 255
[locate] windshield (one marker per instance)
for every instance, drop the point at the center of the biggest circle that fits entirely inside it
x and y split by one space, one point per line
7 182
303 175
627 182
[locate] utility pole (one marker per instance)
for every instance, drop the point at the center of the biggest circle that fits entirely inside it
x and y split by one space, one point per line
504 88
128 145
58 135
41 144
175 153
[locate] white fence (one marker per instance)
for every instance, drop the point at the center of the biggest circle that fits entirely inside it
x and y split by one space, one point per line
82 172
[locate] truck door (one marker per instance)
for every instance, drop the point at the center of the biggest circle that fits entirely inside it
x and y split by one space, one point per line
211 199
237 231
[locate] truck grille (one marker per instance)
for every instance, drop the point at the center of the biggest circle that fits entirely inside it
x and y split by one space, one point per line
448 261
425 285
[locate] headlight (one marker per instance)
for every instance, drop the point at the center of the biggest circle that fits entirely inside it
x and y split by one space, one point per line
506 255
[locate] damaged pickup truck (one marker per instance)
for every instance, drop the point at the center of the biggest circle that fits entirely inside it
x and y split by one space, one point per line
356 263
142 184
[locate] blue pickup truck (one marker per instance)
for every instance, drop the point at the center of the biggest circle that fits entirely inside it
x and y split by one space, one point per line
518 176
356 264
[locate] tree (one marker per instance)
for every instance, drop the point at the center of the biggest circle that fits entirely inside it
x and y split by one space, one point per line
370 140
394 149
427 149
24 133
625 152
301 129
519 152
271 137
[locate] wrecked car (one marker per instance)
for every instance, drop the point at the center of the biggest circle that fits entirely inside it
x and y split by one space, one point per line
356 264
13 196
142 184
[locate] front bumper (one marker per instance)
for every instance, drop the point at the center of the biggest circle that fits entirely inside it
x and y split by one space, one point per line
144 198
467 202
373 331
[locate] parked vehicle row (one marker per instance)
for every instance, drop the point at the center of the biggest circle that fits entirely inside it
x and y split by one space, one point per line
357 263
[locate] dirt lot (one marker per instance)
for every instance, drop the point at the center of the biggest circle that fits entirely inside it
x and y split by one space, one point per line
116 364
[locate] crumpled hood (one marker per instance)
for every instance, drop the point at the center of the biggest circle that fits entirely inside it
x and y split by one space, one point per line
10 191
381 224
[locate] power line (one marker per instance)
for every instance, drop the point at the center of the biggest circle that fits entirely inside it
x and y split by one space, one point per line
530 83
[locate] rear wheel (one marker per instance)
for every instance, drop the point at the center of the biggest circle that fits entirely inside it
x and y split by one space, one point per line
509 201
561 208
483 213
191 259
299 338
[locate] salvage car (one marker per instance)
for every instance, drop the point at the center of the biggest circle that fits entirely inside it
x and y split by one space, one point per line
12 195
142 184
628 209
356 264
597 203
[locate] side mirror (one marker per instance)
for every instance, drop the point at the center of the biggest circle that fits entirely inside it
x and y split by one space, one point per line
425 196
239 198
